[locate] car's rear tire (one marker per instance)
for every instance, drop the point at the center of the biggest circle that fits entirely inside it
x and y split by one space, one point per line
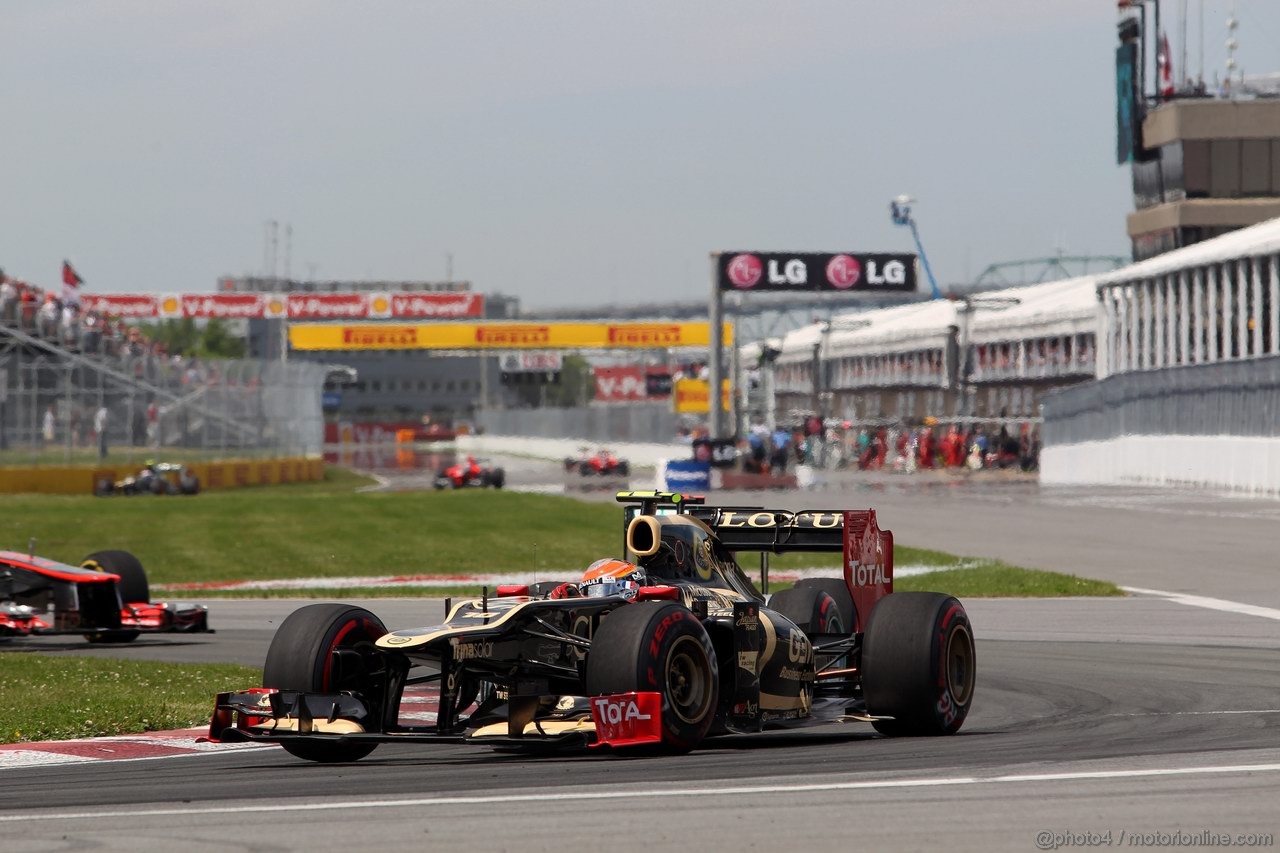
190 485
497 478
133 587
300 658
658 647
812 609
839 592
919 664
624 469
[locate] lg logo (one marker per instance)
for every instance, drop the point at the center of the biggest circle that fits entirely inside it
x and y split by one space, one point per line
895 272
843 271
744 271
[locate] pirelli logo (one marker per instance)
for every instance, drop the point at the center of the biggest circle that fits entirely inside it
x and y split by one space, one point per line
380 336
645 336
513 336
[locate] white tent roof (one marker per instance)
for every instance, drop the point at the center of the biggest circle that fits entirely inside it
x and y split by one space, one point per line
1260 239
902 328
1065 307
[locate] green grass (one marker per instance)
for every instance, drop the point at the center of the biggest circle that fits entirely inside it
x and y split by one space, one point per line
902 556
318 530
999 580
330 529
55 698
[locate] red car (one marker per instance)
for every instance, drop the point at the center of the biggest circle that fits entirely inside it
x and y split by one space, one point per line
470 473
106 598
603 463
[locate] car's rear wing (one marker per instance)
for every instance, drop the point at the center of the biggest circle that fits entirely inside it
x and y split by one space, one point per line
855 533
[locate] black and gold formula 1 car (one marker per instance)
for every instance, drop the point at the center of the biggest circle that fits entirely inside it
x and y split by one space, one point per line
683 649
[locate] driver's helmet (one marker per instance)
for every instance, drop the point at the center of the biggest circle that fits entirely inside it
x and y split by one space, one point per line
612 576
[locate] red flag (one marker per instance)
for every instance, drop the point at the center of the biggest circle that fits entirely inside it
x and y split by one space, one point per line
69 276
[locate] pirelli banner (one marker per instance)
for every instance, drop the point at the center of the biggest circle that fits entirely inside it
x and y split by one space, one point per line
500 336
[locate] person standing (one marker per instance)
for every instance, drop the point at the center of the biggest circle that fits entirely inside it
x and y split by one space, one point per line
780 439
100 420
47 428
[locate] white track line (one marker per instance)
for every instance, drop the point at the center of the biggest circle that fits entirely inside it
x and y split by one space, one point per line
631 794
1208 603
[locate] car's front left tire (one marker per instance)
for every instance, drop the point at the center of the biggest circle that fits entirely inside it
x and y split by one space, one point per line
658 647
301 658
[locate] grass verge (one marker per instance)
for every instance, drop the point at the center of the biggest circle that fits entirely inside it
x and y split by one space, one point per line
999 580
330 530
318 530
43 697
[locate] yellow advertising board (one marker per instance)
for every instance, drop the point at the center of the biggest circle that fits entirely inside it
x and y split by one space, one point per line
500 336
221 474
693 396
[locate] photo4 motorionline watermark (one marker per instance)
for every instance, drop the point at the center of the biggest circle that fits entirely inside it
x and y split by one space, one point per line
1051 840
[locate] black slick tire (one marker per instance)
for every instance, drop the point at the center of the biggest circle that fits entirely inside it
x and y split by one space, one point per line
919 664
839 592
300 659
133 587
658 647
812 609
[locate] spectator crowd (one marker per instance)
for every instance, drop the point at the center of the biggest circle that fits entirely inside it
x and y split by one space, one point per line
903 448
124 347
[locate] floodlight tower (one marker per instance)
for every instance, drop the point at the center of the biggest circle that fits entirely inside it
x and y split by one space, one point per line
900 210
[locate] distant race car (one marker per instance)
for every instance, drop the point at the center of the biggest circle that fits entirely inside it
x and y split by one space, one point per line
470 473
663 648
155 478
106 598
602 462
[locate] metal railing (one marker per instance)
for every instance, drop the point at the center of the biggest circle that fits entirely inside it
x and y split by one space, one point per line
59 406
1230 398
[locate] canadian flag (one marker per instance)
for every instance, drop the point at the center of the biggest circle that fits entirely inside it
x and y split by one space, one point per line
1164 61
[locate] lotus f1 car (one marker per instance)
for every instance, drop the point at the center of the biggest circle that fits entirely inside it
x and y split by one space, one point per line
155 478
683 648
470 473
107 599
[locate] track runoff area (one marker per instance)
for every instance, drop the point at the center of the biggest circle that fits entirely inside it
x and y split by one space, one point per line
1152 718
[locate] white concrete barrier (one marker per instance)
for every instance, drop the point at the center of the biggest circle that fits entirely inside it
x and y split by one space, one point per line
1249 465
557 449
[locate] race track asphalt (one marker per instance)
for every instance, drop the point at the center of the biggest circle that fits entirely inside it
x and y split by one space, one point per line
1135 715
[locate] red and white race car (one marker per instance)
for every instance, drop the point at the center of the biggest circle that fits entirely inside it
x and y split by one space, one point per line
470 472
603 463
106 598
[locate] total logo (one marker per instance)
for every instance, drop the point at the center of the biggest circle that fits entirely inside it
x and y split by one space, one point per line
615 712
864 575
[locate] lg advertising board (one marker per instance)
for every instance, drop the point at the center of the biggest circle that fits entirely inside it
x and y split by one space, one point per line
830 272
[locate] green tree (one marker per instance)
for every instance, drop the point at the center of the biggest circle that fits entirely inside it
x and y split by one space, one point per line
211 339
576 386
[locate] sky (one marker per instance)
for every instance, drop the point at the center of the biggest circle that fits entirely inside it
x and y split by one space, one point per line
562 152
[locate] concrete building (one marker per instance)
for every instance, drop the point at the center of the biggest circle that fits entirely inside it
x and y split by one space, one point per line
390 385
1207 167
